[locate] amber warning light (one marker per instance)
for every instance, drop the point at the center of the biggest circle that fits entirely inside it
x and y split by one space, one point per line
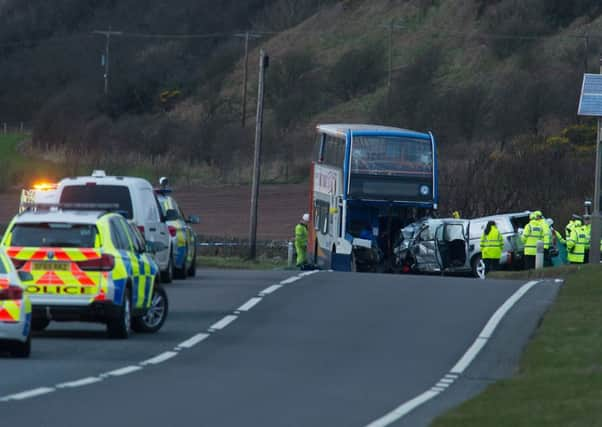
44 186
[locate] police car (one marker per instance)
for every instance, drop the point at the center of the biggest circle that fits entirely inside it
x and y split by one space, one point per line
15 311
183 236
86 265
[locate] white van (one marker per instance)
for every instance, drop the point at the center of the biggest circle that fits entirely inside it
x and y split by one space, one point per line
136 200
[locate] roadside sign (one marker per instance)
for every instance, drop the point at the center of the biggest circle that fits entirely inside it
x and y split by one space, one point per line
590 102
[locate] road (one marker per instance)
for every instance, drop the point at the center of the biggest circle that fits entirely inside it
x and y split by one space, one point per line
268 349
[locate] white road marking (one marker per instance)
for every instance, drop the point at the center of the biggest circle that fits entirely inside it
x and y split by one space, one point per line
482 339
402 410
270 290
28 394
191 342
446 380
225 321
121 371
79 383
249 304
160 358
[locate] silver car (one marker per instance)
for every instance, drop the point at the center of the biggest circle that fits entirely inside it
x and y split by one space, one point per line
454 245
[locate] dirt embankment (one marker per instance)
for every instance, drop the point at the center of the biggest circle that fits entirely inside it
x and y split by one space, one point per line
224 211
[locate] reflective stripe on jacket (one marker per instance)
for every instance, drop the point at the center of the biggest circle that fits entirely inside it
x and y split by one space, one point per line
492 244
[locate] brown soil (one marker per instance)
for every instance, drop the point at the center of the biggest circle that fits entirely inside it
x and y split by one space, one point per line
224 211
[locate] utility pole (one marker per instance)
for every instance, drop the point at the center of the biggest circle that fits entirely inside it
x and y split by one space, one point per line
594 250
107 33
390 67
243 107
263 64
243 103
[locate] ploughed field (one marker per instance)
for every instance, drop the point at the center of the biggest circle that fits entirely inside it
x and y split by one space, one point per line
224 211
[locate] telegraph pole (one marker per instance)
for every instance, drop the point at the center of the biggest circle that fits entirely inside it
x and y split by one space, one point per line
263 64
594 249
107 33
243 108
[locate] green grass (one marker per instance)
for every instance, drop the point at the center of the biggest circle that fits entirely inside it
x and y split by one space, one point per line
559 382
239 263
548 272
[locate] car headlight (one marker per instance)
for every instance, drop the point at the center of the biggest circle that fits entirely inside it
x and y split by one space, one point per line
425 190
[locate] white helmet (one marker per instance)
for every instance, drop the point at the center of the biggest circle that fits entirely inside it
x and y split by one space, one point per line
163 181
305 217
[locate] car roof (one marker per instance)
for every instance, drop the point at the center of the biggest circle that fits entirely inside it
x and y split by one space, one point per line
504 215
104 180
64 216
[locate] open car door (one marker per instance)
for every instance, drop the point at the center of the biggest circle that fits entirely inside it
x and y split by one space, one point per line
452 246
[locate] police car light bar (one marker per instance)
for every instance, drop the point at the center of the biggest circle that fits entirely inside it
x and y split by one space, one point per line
73 206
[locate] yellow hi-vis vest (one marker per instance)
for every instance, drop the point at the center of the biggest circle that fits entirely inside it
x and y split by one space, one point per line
492 244
533 232
576 245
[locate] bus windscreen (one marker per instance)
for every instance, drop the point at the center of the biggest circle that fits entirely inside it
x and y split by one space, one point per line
391 156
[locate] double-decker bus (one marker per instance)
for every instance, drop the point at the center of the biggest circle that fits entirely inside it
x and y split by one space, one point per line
367 183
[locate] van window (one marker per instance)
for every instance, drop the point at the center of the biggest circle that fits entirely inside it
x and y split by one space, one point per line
149 206
92 193
60 235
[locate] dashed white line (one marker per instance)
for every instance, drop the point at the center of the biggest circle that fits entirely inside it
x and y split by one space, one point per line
160 358
79 383
121 371
470 354
249 304
225 321
29 394
270 290
191 342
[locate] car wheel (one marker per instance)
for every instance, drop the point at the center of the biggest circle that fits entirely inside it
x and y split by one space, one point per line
167 275
180 273
39 324
192 269
21 349
121 326
154 318
478 267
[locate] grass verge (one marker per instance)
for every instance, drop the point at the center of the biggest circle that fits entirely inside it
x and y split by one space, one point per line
559 380
240 263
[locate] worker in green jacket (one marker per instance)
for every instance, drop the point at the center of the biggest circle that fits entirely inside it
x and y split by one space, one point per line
301 241
575 221
492 245
533 232
576 245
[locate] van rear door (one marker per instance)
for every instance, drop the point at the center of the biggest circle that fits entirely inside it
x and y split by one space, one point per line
452 246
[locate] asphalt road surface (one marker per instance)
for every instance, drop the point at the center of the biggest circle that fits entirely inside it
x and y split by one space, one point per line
277 349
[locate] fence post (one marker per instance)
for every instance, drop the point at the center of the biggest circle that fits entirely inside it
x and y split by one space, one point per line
5 128
21 127
539 255
290 253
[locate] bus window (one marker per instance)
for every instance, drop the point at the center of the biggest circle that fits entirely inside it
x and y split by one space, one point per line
334 151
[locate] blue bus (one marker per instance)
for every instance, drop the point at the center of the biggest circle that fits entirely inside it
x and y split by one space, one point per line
367 183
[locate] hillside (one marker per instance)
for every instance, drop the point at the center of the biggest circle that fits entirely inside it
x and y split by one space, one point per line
496 81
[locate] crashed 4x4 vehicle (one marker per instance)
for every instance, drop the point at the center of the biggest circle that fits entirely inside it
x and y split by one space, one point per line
86 266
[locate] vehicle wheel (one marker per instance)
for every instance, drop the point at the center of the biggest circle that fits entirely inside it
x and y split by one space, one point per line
353 263
39 324
154 318
478 267
192 269
180 273
121 326
21 349
167 275
332 254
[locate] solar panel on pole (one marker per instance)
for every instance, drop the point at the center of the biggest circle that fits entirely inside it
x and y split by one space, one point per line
590 104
